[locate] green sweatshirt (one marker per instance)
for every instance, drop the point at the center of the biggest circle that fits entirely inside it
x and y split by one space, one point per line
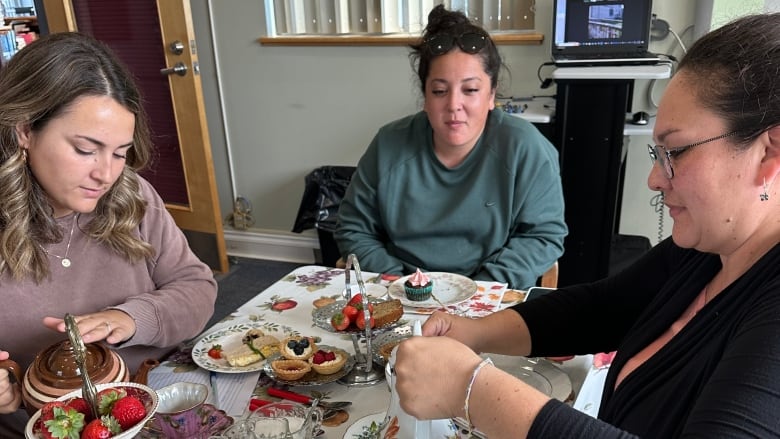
496 216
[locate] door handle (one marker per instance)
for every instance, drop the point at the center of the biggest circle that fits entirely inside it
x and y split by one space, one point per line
179 68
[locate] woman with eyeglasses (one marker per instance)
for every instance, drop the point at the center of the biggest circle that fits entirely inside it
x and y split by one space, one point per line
460 186
695 322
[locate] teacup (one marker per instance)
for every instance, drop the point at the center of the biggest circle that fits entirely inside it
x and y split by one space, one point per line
303 421
257 428
180 413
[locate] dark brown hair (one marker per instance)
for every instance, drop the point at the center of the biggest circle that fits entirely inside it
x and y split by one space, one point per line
737 74
454 23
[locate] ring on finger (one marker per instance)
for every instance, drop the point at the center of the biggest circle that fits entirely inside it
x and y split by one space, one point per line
108 327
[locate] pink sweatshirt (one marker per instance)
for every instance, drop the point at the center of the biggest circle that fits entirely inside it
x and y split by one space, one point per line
171 297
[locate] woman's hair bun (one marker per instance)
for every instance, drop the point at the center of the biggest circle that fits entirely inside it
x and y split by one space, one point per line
441 19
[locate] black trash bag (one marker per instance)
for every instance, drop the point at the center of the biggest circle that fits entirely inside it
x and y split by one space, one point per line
325 188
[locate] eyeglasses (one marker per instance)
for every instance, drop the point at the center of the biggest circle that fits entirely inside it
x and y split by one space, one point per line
659 153
469 42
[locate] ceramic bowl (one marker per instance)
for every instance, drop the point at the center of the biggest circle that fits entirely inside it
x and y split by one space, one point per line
146 394
180 397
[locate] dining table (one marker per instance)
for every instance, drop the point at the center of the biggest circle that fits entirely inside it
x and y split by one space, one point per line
290 307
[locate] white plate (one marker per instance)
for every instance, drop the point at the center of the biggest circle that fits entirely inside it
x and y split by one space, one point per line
356 430
360 429
230 339
373 290
449 288
538 373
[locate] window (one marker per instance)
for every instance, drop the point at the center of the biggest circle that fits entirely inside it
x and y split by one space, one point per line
327 18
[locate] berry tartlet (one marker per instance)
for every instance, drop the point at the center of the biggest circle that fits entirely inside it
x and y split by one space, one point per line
297 348
327 362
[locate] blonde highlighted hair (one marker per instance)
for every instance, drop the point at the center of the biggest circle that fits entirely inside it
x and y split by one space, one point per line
38 85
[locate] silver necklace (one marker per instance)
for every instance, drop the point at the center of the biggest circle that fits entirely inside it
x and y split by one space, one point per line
65 260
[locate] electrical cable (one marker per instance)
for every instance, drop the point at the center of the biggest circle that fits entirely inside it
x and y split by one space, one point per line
544 83
679 40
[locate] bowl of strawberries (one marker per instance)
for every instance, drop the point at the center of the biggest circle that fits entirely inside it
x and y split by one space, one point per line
124 408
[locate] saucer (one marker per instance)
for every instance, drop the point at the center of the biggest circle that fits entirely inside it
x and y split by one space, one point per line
218 421
362 428
369 427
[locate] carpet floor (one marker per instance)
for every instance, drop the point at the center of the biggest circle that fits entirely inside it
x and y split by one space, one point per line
246 278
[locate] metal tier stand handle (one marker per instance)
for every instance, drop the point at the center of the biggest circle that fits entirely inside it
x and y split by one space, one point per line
363 374
88 389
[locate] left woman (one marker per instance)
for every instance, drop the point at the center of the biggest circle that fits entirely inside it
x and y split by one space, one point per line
80 231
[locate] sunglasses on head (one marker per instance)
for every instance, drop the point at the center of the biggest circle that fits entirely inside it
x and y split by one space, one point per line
469 42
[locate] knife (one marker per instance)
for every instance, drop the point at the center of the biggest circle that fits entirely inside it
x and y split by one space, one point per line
292 396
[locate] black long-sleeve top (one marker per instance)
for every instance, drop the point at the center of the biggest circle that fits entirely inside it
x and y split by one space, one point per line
718 377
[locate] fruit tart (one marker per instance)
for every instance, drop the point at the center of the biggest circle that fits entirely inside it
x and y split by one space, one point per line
290 370
297 348
328 362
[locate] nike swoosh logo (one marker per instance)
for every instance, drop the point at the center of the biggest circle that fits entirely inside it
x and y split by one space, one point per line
490 203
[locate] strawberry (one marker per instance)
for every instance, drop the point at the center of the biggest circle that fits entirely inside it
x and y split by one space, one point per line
107 397
80 405
102 428
215 351
351 312
357 302
361 321
356 299
47 411
339 321
62 422
128 411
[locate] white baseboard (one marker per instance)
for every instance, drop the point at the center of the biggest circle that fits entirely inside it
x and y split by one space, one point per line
273 245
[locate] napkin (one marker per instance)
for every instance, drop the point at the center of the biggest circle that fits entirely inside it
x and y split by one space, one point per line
235 389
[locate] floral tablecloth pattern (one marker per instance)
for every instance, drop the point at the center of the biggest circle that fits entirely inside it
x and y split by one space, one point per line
288 304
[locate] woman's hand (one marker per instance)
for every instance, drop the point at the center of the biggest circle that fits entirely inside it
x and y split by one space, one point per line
460 328
10 395
113 325
432 374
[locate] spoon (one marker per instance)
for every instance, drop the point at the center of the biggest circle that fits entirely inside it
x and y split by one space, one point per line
88 389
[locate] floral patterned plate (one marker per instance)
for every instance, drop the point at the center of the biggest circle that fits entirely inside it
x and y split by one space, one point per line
449 288
230 338
214 422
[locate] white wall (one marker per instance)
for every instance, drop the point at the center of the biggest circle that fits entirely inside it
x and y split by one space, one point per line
288 110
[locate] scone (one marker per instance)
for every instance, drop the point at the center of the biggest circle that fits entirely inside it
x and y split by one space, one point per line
328 362
255 346
290 370
297 348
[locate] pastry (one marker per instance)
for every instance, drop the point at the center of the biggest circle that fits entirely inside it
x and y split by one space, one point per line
386 349
387 312
328 362
418 287
255 346
290 370
297 348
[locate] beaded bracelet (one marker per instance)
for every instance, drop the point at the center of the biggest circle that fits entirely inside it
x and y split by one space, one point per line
474 374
